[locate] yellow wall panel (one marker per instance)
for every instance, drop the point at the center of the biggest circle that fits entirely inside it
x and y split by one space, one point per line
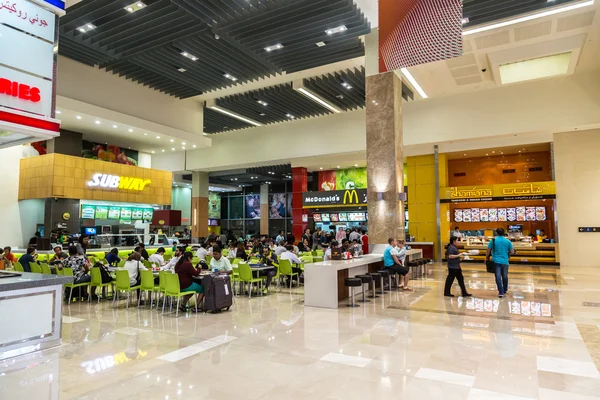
425 192
425 175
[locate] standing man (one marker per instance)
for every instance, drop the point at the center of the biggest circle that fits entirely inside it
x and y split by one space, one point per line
365 242
500 249
316 238
307 236
393 263
354 235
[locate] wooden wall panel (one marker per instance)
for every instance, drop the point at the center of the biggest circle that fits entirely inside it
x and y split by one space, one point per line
489 170
199 217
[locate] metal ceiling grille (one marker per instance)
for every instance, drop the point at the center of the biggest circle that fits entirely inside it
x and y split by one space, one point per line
486 11
215 122
330 88
227 37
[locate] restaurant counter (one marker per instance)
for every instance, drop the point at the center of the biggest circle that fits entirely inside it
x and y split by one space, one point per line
30 312
535 253
324 281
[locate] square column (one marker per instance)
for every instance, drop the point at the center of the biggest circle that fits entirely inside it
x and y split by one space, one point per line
385 175
264 209
199 222
299 185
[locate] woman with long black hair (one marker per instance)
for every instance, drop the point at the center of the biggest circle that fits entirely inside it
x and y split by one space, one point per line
185 270
454 270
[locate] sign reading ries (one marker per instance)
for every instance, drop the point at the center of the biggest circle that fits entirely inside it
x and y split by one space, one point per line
335 198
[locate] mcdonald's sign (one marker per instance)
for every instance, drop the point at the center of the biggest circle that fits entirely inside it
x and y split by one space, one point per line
335 198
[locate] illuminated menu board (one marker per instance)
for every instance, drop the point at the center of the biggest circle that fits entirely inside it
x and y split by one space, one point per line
126 214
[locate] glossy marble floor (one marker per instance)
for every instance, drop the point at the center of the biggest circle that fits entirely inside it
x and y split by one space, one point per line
542 342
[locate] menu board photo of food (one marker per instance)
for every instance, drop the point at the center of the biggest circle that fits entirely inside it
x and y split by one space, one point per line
467 215
511 214
88 211
317 217
148 213
114 212
540 213
343 217
475 215
493 215
484 215
334 217
101 212
458 215
502 215
521 214
530 213
137 214
325 218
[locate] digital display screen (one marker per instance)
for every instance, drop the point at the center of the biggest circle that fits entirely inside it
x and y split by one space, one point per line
114 212
88 211
90 231
343 217
325 218
101 212
317 217
334 218
356 217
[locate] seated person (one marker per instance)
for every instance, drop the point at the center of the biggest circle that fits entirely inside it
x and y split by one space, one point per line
28 258
158 257
133 267
171 264
280 249
59 256
356 248
220 263
268 259
143 251
232 250
327 254
80 267
202 253
395 264
345 246
113 257
138 249
303 246
294 260
186 271
8 255
174 248
241 252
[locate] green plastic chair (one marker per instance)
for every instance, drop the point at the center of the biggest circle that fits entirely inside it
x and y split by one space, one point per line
285 268
69 272
246 277
123 285
97 282
147 285
147 264
209 258
235 277
35 268
121 264
18 267
46 269
307 259
172 289
236 261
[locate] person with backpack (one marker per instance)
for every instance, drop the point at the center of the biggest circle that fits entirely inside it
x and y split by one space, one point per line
500 249
454 270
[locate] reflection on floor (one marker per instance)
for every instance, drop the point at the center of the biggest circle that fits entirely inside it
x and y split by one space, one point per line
541 342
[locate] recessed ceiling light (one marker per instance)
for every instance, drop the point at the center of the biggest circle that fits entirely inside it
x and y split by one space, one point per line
346 85
317 99
274 47
321 168
145 134
58 112
78 117
290 116
86 28
356 165
97 122
231 77
320 44
163 150
135 6
338 166
183 147
173 148
194 146
341 28
263 103
181 69
190 56
183 143
262 114
153 152
114 126
229 113
158 137
172 140
464 20
130 130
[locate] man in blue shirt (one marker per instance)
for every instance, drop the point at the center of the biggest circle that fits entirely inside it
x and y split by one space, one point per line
500 249
393 263
28 258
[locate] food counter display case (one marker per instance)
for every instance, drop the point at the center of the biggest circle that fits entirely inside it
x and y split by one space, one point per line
528 252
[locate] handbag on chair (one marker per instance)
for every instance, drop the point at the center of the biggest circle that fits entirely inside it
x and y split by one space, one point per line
490 265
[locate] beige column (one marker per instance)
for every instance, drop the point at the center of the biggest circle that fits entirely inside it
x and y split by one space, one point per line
264 209
199 222
384 158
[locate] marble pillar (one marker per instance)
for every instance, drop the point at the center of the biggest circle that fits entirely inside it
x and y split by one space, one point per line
199 222
384 158
264 209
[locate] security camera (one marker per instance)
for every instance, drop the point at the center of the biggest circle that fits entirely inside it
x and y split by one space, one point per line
484 70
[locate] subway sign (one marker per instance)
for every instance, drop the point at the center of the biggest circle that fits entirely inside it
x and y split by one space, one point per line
106 181
335 198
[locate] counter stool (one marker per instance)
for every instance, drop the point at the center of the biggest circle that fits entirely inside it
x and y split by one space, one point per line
365 279
385 275
412 264
352 283
377 277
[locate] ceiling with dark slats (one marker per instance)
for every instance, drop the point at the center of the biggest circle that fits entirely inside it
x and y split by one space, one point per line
227 37
485 11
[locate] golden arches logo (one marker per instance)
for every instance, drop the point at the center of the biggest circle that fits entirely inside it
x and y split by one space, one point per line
350 197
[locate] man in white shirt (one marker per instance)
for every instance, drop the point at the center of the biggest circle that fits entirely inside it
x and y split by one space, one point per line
327 254
202 252
294 260
354 235
157 258
220 263
457 233
170 266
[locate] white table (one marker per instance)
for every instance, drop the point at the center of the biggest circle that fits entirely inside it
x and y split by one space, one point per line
321 278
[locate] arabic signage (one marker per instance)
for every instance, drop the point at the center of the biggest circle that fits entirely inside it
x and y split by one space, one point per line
28 17
335 198
513 191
